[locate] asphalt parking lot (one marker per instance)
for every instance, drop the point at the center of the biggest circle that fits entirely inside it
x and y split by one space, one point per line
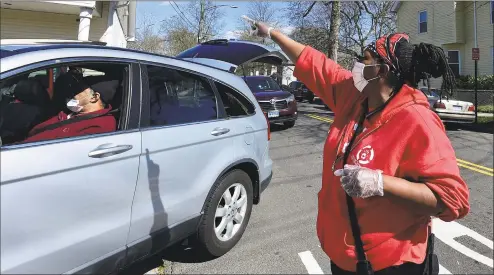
281 238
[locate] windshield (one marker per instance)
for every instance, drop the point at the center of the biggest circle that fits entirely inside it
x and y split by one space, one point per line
429 92
262 84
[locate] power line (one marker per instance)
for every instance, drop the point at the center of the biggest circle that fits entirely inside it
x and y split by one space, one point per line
180 13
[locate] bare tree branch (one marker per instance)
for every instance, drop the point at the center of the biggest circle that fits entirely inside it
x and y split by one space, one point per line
309 9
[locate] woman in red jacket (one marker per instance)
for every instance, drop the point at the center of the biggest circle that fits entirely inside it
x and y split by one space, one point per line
400 168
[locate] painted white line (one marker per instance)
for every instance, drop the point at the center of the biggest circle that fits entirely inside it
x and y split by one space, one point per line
443 270
310 263
448 231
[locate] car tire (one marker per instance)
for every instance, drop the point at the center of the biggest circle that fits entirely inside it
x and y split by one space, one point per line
289 124
209 241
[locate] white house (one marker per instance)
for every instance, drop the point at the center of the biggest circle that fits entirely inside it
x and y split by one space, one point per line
112 22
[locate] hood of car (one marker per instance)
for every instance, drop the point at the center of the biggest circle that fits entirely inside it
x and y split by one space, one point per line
266 96
235 52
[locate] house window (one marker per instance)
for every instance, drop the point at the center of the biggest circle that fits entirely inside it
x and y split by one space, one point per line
492 12
454 62
492 52
422 21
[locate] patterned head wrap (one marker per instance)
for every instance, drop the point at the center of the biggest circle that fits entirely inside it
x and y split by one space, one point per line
385 48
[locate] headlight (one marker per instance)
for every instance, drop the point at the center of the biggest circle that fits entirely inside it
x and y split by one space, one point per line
290 99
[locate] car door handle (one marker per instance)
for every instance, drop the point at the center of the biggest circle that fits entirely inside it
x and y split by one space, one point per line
106 152
220 131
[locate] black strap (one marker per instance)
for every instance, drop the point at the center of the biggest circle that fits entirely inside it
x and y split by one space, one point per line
363 265
69 121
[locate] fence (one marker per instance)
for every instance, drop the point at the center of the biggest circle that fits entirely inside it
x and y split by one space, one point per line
485 100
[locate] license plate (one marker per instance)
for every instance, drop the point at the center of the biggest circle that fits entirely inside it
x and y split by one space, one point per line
456 108
273 114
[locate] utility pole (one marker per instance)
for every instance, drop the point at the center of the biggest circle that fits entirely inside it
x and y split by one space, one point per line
201 20
202 14
476 59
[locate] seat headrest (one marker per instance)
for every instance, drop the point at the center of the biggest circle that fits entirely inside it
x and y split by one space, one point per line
31 92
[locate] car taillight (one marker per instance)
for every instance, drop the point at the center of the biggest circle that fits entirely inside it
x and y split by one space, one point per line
439 105
471 108
269 127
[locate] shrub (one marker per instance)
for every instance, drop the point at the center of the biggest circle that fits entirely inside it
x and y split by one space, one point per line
486 109
484 82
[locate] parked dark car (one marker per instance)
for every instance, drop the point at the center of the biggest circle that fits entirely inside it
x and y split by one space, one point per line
301 92
278 105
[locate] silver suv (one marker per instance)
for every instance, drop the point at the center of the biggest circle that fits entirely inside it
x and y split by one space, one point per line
188 156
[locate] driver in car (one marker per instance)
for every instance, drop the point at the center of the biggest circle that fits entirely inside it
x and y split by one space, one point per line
89 111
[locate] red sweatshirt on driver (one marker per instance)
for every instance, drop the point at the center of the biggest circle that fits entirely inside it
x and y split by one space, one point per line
405 140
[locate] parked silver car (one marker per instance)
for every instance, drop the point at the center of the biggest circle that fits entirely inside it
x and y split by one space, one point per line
448 109
189 157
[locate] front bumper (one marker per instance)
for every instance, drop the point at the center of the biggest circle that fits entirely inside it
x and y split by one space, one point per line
283 118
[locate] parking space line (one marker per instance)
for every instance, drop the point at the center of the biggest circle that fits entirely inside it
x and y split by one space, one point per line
447 232
313 267
310 263
461 163
443 270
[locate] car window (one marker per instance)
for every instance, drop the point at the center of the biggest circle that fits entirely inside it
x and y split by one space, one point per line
178 97
234 103
262 84
429 92
34 106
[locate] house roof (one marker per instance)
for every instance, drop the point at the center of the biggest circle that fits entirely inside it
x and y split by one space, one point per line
396 5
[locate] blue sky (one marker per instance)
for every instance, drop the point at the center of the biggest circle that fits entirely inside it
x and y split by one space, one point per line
154 11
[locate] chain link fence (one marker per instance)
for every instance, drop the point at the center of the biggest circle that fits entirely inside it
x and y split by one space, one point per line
484 97
485 102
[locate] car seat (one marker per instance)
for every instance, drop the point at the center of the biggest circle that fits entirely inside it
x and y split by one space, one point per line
29 109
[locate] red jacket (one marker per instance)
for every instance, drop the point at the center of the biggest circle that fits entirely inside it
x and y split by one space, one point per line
405 140
101 124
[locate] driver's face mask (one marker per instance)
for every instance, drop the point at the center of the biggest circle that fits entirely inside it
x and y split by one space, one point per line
75 106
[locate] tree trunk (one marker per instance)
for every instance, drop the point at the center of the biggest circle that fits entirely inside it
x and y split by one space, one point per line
334 30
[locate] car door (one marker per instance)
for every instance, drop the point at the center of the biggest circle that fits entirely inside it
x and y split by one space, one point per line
184 144
66 203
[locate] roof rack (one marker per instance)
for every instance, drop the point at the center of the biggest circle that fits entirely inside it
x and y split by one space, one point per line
48 41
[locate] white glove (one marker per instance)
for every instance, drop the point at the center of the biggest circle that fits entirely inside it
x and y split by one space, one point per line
257 28
361 182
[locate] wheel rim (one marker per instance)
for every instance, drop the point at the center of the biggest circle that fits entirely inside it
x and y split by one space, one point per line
230 212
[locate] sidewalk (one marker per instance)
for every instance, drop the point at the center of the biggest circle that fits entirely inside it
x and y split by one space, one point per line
485 114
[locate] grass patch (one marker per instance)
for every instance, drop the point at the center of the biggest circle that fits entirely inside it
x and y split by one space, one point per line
486 109
482 119
163 269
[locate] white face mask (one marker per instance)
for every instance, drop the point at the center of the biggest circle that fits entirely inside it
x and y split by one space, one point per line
73 106
358 75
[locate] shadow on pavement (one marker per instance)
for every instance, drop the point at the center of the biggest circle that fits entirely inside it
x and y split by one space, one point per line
182 253
277 127
479 128
179 253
